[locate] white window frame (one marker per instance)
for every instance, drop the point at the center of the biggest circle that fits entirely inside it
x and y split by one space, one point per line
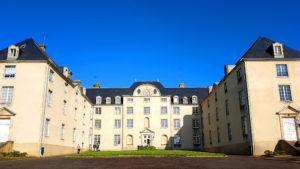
117 124
7 94
74 135
164 110
130 100
51 75
47 127
164 100
10 71
176 110
66 88
108 100
164 123
98 124
130 123
147 100
117 139
194 100
98 110
176 100
147 110
98 100
75 113
185 100
129 110
62 135
176 123
117 100
117 110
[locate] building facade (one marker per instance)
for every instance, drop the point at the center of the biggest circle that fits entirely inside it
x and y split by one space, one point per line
40 105
256 104
146 114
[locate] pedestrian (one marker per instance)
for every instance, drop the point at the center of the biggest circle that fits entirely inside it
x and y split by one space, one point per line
78 149
94 147
98 147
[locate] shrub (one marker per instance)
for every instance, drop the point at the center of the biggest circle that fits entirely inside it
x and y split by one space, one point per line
279 152
148 148
269 153
15 154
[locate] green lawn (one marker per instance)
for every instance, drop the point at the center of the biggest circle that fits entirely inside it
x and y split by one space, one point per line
148 153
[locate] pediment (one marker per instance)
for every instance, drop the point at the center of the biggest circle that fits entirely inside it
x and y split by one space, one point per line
288 110
146 131
4 111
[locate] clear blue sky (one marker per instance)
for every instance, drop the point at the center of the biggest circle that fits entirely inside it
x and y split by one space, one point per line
115 42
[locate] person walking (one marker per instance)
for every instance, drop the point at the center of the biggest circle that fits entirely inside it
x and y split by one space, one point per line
78 149
98 147
94 147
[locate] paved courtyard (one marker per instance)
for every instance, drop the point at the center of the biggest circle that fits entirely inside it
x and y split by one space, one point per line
145 163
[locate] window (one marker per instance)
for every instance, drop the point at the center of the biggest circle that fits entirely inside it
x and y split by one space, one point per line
139 91
175 100
196 139
208 105
117 124
62 136
281 70
49 97
164 100
164 140
129 140
242 99
117 110
98 100
176 110
226 107
225 87
146 110
98 110
194 100
75 114
195 123
10 71
74 135
210 138
176 123
195 110
216 98
244 126
278 50
177 139
47 128
129 110
229 132
76 97
65 107
117 139
164 110
51 76
208 116
239 75
7 94
129 100
118 100
97 139
147 122
13 52
66 88
97 124
185 100
146 100
130 123
218 135
108 100
217 114
154 91
82 137
83 119
164 123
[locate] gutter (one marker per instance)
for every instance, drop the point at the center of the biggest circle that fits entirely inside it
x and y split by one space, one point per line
44 110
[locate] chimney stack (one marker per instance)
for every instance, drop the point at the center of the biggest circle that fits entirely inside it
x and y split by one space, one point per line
96 85
43 47
181 85
228 69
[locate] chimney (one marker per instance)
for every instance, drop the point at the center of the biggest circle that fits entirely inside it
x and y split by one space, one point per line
43 47
84 90
228 69
77 82
181 85
96 85
69 75
209 89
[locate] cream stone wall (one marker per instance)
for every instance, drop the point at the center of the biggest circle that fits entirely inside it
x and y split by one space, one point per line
30 90
234 117
264 101
108 116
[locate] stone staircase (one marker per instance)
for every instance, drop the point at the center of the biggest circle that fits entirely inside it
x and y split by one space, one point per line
290 147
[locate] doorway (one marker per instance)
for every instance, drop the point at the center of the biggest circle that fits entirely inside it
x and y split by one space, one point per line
289 129
4 129
146 140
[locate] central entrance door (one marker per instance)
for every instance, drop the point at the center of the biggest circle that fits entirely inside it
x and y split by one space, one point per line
289 129
4 129
146 140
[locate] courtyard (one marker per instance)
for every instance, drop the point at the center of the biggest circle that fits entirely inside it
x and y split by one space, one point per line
231 162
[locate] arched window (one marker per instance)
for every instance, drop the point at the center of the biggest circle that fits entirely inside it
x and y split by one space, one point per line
164 140
108 100
147 122
194 100
185 100
129 139
118 100
98 100
175 99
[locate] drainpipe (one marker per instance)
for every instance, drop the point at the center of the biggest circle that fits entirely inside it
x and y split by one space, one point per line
122 127
248 111
44 110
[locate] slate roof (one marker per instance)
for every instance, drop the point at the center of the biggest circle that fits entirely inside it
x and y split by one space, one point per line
263 49
29 50
92 93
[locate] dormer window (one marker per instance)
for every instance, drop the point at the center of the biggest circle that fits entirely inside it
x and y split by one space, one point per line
118 100
13 52
194 100
278 50
108 100
175 100
185 100
98 100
